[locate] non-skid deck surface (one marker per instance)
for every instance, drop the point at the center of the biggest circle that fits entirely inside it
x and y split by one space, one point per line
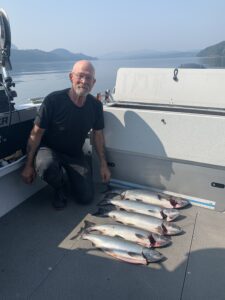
39 260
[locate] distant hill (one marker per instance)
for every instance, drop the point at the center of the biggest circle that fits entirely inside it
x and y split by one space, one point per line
67 55
127 55
144 54
217 50
35 55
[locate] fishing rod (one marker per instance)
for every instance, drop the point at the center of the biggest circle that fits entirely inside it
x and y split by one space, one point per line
6 83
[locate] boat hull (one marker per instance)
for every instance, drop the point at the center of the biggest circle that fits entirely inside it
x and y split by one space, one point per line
13 190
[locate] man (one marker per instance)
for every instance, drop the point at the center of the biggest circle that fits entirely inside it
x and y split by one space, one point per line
56 140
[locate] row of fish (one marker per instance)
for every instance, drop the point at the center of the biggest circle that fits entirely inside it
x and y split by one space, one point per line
142 221
143 225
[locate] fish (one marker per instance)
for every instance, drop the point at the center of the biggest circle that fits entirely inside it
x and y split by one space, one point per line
168 214
150 197
141 221
132 234
123 250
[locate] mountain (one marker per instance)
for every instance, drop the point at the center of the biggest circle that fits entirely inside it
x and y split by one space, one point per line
130 54
67 55
145 54
216 50
35 55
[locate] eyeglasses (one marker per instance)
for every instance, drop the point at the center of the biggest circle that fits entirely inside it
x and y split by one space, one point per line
80 76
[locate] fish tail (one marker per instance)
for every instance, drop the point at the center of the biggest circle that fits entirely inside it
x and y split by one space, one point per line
104 202
84 229
111 195
88 224
102 212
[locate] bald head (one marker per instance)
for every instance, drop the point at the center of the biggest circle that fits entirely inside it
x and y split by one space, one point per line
84 66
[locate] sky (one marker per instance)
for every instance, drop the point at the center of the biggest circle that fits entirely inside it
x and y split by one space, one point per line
96 27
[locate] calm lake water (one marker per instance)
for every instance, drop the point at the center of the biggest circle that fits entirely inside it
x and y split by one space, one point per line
37 80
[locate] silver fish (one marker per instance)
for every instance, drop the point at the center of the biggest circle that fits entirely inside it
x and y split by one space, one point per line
123 250
150 197
141 221
132 234
137 206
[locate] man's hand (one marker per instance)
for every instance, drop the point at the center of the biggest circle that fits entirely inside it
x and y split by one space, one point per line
99 144
28 174
105 173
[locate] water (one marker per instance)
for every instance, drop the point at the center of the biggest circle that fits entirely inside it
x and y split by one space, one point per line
38 79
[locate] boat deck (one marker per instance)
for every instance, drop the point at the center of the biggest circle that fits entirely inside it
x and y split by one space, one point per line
33 266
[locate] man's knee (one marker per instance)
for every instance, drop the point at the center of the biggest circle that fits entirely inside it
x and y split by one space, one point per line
48 168
44 166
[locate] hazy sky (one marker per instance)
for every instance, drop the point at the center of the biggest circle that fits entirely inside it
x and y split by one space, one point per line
96 27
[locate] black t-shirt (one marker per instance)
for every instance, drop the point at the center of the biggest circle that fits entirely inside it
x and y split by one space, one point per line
66 124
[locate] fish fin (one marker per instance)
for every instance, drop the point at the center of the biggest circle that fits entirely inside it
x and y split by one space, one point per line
112 251
120 222
122 209
107 250
140 236
129 224
117 236
133 254
138 200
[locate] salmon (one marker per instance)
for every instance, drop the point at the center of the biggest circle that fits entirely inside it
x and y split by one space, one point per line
168 214
132 234
123 250
160 199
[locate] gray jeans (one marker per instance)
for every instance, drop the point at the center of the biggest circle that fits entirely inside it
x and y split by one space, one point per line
49 166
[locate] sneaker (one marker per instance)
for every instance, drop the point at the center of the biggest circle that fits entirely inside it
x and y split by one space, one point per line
60 200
